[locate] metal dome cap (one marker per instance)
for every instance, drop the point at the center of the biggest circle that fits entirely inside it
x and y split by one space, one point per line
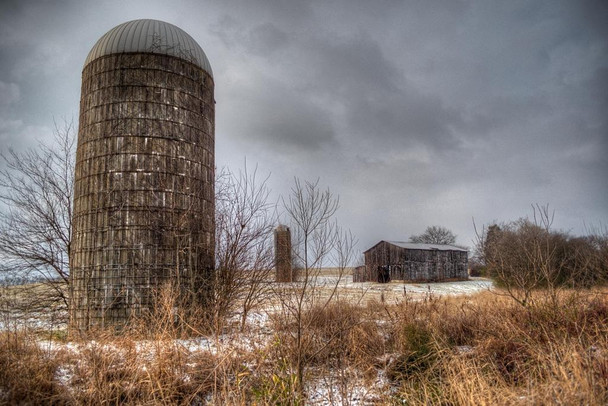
150 36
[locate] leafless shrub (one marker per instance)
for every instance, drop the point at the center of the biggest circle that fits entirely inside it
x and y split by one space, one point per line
318 242
526 255
245 219
36 220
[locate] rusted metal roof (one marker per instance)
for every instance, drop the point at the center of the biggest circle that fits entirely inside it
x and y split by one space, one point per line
150 36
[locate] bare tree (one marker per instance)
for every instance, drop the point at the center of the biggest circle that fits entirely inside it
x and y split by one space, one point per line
527 255
36 220
595 253
245 220
318 242
435 235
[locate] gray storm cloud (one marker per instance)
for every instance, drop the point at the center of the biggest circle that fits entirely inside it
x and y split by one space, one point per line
416 113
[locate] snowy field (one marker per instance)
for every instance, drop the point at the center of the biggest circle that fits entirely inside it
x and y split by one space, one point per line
322 390
328 282
396 291
473 285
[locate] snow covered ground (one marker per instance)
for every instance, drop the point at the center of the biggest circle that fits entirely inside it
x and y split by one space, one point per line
398 290
470 286
325 389
345 289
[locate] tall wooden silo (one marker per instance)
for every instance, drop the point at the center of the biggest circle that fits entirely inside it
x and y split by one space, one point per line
282 254
144 180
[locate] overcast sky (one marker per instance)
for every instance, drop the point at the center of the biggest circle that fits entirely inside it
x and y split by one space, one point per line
415 113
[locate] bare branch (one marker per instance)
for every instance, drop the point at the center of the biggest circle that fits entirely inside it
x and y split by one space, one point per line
36 220
245 220
318 242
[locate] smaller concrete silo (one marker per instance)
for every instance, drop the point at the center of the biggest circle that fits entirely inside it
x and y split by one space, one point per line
282 254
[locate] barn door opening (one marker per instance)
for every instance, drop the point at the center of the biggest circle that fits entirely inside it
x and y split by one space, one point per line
384 274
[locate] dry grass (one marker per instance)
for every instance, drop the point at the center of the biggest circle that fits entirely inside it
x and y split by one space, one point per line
482 349
27 372
488 350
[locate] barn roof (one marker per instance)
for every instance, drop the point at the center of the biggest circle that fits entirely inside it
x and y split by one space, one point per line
150 36
419 246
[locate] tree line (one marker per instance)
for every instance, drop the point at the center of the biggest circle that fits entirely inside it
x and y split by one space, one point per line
528 254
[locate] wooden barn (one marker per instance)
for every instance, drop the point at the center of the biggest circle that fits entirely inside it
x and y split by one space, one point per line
395 260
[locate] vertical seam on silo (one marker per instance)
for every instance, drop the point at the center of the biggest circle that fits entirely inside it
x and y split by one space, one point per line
162 36
170 41
124 36
147 30
102 50
194 51
115 37
187 47
134 38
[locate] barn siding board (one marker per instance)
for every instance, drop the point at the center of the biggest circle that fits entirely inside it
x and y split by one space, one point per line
414 264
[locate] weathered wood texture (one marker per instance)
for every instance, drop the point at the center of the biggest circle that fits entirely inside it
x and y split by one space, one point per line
360 274
144 186
412 264
282 254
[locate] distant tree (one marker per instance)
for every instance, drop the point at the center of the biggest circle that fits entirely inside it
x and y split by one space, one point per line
527 255
435 235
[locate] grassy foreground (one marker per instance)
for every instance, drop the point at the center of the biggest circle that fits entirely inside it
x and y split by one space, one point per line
481 349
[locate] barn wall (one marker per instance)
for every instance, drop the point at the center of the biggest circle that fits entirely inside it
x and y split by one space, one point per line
360 274
415 264
144 185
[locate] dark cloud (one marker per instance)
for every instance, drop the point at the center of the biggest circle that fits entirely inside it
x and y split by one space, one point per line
346 67
266 39
402 120
597 86
277 116
592 16
417 113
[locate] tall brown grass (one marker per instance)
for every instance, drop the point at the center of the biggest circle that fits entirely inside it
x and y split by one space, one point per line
482 349
490 350
26 372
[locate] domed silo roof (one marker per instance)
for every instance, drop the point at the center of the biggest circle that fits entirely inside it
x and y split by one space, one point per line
150 36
